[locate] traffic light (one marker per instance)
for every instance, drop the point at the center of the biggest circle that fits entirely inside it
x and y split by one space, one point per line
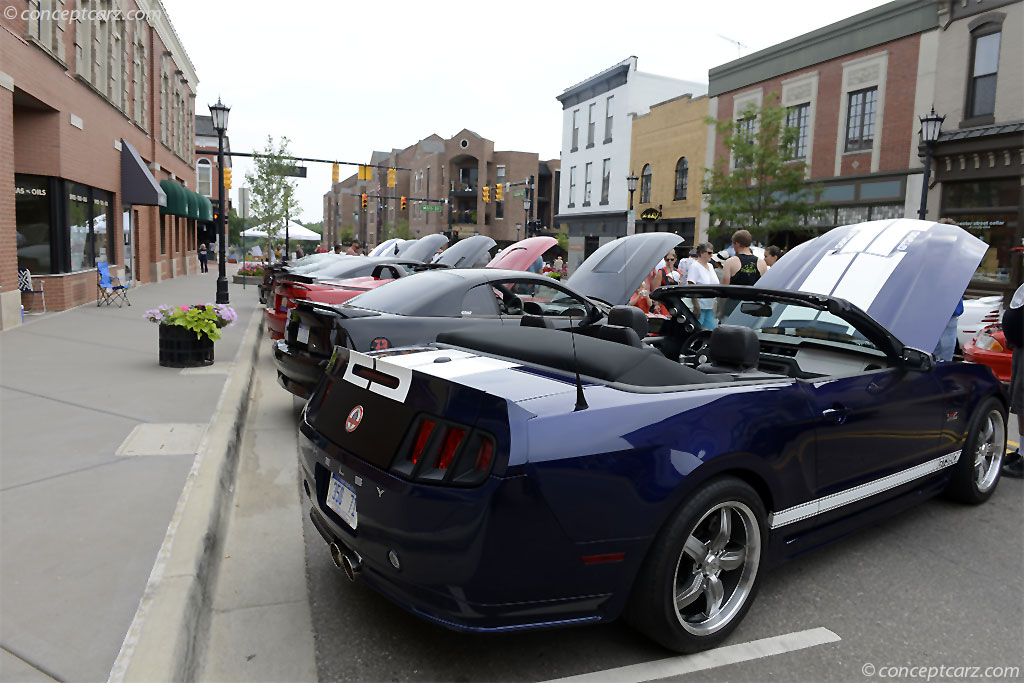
364 172
487 193
334 173
499 192
391 177
404 204
363 202
227 178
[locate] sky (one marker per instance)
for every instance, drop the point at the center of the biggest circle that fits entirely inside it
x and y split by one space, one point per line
341 79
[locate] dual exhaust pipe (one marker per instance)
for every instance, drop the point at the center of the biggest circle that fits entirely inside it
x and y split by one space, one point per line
347 561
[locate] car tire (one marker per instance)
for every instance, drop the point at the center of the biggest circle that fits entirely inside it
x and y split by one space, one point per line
697 583
976 473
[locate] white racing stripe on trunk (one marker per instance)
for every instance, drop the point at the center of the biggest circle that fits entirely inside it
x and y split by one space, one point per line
465 366
712 659
412 360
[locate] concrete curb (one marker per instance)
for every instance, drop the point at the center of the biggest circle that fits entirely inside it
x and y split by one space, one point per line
165 640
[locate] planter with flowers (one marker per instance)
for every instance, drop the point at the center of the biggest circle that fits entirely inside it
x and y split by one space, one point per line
187 333
249 274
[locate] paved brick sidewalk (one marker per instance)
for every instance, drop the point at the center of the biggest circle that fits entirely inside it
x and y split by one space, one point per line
80 525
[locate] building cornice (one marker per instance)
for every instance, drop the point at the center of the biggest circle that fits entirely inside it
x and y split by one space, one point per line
160 20
883 24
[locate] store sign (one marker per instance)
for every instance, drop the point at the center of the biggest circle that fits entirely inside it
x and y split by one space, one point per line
651 214
34 191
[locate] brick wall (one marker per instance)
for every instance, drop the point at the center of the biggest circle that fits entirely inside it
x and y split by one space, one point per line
898 120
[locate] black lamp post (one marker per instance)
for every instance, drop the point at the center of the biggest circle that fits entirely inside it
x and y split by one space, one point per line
219 113
931 126
526 213
631 186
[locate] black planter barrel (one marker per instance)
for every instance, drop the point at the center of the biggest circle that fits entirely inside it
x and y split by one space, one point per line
179 348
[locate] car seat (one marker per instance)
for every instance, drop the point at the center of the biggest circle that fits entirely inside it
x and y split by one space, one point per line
732 349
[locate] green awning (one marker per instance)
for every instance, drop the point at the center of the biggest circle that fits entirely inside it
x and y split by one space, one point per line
205 209
177 203
192 200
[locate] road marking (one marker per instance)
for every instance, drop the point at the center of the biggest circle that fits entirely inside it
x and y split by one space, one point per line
712 659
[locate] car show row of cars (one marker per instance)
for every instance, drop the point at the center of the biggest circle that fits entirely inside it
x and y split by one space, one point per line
496 450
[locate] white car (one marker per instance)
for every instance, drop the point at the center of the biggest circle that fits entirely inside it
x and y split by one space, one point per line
978 314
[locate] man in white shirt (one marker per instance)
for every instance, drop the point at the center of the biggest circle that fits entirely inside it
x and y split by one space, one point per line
701 272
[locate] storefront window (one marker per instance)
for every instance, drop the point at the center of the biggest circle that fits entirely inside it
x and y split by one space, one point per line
988 210
79 224
101 246
32 218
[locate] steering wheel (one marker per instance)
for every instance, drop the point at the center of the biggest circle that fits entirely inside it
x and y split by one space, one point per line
697 344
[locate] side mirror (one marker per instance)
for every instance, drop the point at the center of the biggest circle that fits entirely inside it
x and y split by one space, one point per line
917 360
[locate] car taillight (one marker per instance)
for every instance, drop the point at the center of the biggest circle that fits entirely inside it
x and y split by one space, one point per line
987 342
444 453
422 434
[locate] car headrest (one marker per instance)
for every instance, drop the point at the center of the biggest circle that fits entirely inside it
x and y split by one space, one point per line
620 335
534 321
629 316
734 345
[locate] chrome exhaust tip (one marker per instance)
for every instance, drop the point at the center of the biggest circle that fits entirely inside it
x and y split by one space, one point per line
337 555
350 569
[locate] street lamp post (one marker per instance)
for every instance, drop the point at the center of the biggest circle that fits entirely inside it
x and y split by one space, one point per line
931 126
630 220
526 213
519 226
219 114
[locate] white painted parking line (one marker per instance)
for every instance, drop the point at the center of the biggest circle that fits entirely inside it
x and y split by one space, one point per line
722 656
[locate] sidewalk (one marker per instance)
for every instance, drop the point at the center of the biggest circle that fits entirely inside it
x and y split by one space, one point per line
84 508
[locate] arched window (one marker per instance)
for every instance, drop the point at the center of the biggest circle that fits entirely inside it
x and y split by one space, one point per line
204 177
645 185
682 171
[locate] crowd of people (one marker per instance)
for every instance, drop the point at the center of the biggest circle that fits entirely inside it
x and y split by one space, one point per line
737 265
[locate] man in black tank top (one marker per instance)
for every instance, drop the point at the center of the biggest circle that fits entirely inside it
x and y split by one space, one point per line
744 268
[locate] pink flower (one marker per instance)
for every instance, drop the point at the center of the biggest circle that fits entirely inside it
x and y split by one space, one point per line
184 308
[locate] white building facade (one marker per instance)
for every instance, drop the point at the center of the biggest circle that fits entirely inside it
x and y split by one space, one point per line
597 124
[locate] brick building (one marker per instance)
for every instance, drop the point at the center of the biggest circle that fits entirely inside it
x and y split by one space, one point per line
207 174
443 186
852 88
979 158
667 149
94 114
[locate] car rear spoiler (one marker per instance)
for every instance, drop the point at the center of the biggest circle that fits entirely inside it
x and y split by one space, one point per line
305 279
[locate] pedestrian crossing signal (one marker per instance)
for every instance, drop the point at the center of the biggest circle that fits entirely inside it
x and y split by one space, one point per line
363 202
403 204
487 193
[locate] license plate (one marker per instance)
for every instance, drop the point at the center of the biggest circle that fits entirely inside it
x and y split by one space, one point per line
341 498
303 335
284 304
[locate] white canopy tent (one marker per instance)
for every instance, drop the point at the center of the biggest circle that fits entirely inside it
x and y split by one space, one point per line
295 232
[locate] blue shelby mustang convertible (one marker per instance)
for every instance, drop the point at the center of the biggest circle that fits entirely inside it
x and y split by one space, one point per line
504 479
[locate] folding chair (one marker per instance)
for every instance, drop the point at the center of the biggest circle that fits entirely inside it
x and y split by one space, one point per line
109 288
25 285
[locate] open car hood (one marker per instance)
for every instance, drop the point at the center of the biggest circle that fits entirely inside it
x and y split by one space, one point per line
389 247
616 269
318 264
908 275
522 254
466 253
424 248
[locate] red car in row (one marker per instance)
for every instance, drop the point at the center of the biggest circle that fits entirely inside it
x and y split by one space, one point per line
465 253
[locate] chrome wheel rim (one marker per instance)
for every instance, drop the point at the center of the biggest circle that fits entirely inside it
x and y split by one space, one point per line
988 451
716 569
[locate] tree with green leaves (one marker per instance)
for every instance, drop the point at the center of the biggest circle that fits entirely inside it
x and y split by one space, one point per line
765 191
272 194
